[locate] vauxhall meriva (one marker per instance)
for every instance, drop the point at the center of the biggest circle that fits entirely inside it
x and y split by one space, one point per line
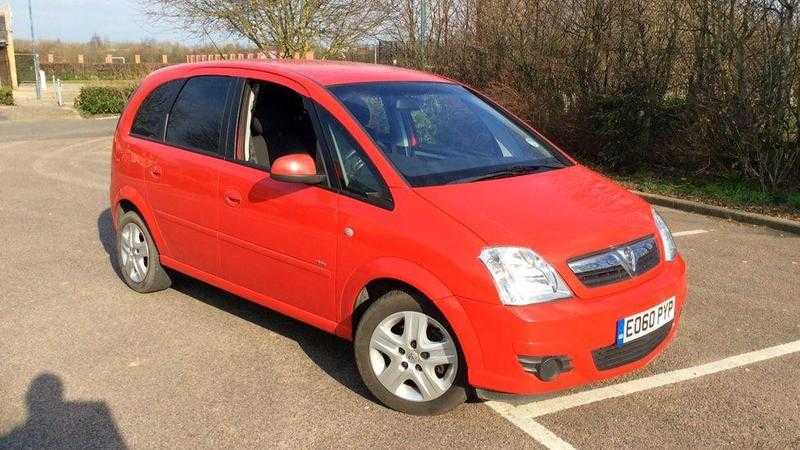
453 244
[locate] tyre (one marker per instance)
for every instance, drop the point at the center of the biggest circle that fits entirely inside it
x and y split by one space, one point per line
408 356
137 256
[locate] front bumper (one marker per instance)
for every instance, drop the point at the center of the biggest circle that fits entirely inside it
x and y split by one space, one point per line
573 328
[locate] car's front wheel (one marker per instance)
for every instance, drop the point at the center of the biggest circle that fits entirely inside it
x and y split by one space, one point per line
408 357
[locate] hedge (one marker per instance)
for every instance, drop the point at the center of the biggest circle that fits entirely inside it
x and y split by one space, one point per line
6 96
72 71
103 99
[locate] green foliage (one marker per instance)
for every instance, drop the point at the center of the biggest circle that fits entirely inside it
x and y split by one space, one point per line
74 71
622 131
94 100
6 96
733 192
794 200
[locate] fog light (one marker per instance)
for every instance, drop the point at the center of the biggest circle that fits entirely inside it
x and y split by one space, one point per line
546 368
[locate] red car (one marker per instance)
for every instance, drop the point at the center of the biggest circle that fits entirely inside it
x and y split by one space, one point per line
453 244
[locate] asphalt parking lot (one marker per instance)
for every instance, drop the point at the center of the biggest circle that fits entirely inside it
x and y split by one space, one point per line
86 362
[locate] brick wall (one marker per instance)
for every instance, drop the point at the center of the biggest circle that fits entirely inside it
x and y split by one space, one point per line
8 69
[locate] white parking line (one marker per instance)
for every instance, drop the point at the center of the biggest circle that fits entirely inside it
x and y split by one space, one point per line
689 233
530 411
531 427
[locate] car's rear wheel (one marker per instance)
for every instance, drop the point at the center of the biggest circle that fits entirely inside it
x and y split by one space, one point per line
138 257
408 357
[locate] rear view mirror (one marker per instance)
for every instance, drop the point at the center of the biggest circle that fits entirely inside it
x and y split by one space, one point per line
296 168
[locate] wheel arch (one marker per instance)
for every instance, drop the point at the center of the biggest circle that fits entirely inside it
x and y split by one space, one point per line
129 199
388 274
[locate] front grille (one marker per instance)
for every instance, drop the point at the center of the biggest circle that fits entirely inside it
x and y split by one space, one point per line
601 277
616 264
612 356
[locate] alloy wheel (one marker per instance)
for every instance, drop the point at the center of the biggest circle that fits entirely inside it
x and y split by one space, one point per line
413 356
134 252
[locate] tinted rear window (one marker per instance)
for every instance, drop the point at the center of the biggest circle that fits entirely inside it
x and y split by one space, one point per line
150 119
197 119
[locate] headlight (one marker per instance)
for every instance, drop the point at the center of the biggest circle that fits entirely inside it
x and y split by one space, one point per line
522 277
670 249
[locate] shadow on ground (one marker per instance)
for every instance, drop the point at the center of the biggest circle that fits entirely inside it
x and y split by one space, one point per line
55 423
332 354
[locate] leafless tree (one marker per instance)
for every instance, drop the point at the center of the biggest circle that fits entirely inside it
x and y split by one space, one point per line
693 87
291 27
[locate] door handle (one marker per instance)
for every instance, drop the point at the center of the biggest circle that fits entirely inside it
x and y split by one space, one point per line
232 198
155 172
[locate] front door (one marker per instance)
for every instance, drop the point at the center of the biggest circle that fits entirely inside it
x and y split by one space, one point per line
277 239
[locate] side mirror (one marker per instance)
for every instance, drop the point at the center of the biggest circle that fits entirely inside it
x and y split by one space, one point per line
296 168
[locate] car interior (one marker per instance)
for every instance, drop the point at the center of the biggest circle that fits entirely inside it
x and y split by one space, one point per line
276 124
425 135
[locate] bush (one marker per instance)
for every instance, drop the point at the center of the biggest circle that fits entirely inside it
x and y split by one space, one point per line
6 96
794 200
629 131
74 71
103 99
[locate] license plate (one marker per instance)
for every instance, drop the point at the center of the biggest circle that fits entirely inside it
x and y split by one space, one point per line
645 322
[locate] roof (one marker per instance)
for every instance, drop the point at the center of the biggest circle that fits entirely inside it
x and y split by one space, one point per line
327 72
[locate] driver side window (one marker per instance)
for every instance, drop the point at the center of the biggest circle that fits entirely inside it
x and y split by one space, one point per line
356 172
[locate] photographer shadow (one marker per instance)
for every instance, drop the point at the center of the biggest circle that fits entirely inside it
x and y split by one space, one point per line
55 423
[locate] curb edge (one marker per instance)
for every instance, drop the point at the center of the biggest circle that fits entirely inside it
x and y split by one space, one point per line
775 223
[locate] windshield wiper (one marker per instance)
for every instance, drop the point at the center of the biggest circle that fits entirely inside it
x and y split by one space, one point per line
511 171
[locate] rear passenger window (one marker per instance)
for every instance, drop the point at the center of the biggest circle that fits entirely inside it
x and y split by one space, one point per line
197 119
149 122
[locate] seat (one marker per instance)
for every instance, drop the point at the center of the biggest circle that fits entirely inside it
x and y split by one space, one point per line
259 150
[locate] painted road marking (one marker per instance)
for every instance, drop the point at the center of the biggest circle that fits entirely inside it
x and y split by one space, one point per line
689 233
531 427
532 410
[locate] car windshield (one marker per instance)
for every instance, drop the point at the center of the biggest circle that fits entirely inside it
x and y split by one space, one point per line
441 133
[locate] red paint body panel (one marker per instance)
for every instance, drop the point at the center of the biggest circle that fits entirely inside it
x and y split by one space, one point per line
182 190
280 239
282 245
561 214
572 327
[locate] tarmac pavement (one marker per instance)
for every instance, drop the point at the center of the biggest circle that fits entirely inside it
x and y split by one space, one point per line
84 360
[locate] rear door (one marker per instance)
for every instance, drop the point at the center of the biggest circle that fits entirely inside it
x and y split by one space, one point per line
183 187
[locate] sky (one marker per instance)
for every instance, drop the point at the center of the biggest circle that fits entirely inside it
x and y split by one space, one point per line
78 20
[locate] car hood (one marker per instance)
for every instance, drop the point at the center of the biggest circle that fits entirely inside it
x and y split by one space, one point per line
560 214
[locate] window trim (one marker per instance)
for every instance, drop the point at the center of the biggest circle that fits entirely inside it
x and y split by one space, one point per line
386 203
233 118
